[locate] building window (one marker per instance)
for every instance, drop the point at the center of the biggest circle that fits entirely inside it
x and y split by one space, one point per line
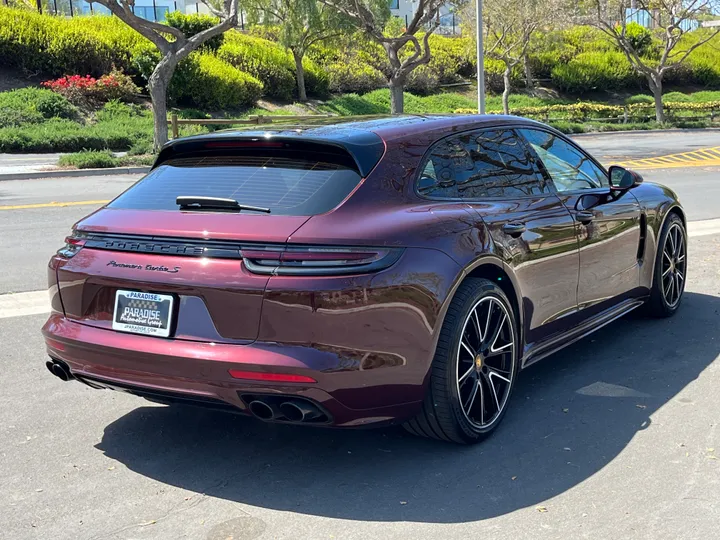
394 4
146 12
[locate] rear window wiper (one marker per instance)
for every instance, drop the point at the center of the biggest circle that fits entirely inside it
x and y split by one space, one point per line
190 202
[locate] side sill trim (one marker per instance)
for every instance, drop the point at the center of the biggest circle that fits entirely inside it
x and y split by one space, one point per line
544 350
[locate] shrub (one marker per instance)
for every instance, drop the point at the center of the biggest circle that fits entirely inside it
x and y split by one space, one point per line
354 76
264 31
83 90
676 97
423 80
262 59
141 148
705 95
192 24
639 98
116 110
317 82
89 159
33 101
640 38
17 117
55 45
452 57
494 75
587 39
212 83
593 70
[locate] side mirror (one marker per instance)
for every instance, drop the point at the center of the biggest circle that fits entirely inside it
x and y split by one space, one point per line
622 179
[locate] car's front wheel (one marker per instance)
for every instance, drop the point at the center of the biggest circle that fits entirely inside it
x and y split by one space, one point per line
474 369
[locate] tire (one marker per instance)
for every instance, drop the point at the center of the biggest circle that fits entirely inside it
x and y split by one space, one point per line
665 298
489 366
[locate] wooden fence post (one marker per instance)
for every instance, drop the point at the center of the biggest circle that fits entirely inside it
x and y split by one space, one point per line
174 122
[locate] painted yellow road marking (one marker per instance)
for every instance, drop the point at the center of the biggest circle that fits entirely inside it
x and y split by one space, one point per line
703 157
53 204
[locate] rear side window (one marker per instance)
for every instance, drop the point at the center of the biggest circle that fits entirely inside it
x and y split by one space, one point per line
288 183
481 164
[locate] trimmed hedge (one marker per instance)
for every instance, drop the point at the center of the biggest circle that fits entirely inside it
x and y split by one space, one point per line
264 60
193 24
595 70
212 83
272 64
353 76
59 46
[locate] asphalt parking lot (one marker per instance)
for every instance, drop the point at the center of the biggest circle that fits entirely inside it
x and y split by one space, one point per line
614 437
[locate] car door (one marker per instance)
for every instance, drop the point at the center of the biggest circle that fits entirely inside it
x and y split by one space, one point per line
494 173
608 224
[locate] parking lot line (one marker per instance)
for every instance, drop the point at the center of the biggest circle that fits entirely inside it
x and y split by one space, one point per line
703 157
52 204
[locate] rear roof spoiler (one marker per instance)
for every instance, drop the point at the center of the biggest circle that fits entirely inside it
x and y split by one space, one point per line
364 147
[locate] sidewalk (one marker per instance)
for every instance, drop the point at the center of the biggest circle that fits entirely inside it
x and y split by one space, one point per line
30 166
24 163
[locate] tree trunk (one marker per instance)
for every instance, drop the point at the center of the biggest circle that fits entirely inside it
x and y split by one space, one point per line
300 73
397 98
655 83
157 85
528 72
506 89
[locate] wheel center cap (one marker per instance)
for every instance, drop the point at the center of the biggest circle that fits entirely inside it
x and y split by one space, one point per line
478 362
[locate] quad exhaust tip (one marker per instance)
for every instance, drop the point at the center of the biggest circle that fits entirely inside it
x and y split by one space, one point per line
262 410
282 409
299 411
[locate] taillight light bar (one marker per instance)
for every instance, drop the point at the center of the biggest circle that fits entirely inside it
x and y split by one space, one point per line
272 377
73 244
319 261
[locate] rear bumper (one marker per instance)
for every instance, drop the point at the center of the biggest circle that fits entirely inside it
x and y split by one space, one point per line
198 372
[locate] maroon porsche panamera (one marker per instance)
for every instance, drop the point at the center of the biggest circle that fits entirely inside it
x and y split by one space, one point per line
400 269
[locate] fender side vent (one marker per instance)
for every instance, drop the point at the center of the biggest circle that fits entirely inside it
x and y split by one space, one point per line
643 236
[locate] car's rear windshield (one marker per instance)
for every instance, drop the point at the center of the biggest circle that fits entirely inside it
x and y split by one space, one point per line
288 183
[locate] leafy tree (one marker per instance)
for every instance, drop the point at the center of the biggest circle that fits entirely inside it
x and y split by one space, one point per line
405 51
303 23
174 45
508 27
670 20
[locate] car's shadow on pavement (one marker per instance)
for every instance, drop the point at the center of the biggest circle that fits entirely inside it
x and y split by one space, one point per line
570 416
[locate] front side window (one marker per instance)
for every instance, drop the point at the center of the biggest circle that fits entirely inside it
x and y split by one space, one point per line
569 168
480 164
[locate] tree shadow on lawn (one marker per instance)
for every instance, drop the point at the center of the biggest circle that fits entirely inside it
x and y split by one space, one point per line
387 475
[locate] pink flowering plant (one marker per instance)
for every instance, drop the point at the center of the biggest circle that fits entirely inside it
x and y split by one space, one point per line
87 90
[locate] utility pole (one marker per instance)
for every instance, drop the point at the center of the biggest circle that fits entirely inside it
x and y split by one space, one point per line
480 58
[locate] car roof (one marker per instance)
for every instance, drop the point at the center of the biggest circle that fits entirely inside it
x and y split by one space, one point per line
363 137
355 129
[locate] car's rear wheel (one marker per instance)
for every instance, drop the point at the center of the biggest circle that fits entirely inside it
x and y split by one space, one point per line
474 369
670 269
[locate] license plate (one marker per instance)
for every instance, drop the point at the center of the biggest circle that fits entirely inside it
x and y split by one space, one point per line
143 313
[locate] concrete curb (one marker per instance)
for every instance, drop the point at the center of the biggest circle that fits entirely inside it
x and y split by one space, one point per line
73 173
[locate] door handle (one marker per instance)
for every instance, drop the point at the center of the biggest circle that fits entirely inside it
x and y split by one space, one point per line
514 229
583 216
